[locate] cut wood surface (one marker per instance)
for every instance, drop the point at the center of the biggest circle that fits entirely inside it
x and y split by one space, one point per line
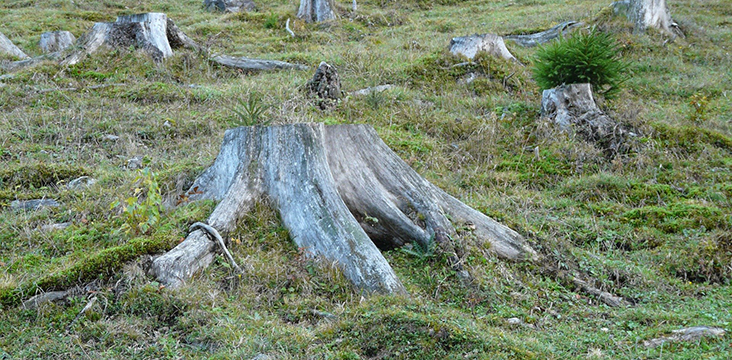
7 47
248 64
340 192
531 40
471 45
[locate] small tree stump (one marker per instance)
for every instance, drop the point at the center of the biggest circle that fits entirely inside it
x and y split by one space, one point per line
340 192
647 14
573 107
531 40
469 46
326 85
54 41
7 47
154 33
316 10
230 6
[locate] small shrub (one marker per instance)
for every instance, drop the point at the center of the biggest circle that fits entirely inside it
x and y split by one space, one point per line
583 58
251 112
271 21
141 211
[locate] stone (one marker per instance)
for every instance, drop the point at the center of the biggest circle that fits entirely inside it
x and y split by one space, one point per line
686 334
326 85
81 183
110 137
54 41
373 89
54 227
134 163
470 46
7 47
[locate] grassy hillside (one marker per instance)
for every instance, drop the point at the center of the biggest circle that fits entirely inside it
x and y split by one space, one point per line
652 225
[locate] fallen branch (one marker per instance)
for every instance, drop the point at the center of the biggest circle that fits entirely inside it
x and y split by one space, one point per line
287 27
531 40
248 64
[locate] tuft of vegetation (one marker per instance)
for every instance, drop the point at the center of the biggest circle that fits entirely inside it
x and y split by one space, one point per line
584 57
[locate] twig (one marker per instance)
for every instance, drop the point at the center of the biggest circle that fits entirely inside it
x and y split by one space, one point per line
93 87
211 232
86 308
287 27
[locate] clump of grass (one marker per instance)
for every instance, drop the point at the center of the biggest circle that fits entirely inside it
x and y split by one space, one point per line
251 112
586 57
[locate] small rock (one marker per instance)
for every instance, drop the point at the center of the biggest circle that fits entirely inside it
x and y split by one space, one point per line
33 204
514 321
325 84
54 227
81 183
686 334
134 163
604 329
110 137
262 357
373 89
7 76
53 41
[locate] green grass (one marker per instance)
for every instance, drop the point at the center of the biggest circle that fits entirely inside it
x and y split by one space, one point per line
652 225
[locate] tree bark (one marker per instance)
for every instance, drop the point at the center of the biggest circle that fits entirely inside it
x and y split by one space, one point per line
326 85
316 10
531 40
469 46
248 64
340 192
54 41
573 107
648 14
7 47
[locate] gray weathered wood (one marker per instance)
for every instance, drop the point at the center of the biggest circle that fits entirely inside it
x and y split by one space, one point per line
647 14
248 64
229 5
316 10
54 41
7 47
154 33
573 107
531 40
471 45
340 191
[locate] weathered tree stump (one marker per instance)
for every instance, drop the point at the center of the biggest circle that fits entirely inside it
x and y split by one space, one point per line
316 10
647 14
230 6
154 33
340 192
572 107
469 46
251 65
7 47
531 40
54 41
326 85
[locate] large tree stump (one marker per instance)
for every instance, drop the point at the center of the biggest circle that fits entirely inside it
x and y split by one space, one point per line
340 192
469 46
316 10
154 33
531 40
647 14
54 41
7 47
572 107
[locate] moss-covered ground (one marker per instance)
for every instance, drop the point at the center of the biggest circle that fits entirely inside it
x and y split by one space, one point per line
653 225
